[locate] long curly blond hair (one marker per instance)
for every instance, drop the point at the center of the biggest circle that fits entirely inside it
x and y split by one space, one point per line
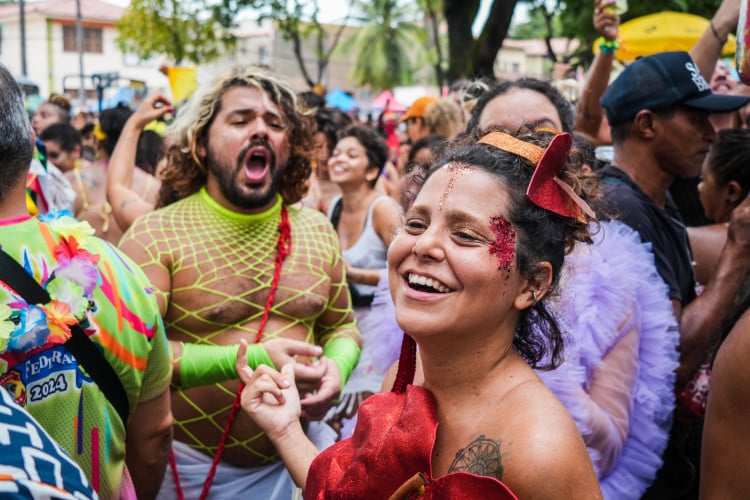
186 172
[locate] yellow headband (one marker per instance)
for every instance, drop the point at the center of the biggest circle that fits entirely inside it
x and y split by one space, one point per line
508 143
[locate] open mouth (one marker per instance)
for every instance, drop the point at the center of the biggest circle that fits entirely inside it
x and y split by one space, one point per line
425 284
257 165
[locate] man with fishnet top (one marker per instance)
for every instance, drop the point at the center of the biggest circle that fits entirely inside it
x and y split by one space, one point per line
231 258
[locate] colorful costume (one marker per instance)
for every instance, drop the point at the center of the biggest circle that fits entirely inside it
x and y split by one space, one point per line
229 259
89 281
611 297
32 464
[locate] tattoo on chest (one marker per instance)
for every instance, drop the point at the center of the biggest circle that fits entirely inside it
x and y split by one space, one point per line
482 457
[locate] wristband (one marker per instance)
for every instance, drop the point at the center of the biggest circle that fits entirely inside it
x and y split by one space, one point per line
202 364
344 351
609 47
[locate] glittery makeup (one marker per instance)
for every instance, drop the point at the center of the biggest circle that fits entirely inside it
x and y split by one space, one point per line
456 170
504 246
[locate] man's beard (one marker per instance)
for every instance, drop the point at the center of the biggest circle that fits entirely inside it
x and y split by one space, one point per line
227 178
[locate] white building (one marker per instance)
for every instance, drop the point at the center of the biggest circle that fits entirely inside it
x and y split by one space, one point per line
52 59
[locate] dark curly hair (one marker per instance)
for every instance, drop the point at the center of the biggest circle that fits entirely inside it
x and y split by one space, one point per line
564 108
186 172
541 235
375 147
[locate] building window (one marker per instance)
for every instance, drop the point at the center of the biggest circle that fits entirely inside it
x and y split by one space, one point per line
92 40
262 56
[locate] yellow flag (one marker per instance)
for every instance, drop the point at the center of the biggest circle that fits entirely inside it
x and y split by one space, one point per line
182 82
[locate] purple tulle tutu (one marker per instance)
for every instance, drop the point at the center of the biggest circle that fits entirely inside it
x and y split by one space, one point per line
607 288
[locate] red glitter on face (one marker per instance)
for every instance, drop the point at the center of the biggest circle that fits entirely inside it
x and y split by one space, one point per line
504 247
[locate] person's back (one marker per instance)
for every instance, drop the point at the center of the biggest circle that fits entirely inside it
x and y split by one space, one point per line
86 278
89 292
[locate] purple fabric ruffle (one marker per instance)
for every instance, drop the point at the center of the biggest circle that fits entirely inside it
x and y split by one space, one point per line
600 284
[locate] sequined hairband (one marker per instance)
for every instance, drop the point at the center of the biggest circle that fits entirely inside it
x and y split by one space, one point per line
546 190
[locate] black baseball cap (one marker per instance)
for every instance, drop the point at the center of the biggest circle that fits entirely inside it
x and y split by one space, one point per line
663 80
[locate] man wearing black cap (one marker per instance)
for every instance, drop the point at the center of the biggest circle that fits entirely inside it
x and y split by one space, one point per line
658 109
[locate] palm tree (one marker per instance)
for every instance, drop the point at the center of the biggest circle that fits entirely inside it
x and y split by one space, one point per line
389 44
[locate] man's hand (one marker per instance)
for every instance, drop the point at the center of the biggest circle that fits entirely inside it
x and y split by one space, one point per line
269 397
303 356
152 108
316 404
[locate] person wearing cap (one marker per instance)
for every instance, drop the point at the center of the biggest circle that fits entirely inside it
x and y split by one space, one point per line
658 109
416 127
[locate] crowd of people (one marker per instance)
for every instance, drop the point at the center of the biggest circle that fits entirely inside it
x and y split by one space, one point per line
505 294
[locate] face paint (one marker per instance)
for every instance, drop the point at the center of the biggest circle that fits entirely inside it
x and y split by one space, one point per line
504 246
457 170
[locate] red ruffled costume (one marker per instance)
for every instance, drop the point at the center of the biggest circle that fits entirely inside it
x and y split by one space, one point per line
392 446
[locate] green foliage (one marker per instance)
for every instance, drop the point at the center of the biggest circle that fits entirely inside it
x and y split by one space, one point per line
389 45
536 26
184 30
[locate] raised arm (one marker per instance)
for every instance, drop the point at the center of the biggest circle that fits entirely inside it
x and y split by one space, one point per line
589 113
707 50
126 204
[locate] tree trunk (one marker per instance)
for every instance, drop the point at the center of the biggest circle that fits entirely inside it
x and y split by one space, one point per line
470 58
459 15
491 38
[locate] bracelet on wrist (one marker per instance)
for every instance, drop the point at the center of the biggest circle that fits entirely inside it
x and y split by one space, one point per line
716 33
609 46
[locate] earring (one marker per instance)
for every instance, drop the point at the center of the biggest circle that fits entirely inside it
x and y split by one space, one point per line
533 294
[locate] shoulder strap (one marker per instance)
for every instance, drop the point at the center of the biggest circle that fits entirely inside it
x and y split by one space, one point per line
336 213
79 344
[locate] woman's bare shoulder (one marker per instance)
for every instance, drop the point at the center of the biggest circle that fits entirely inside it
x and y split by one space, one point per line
545 443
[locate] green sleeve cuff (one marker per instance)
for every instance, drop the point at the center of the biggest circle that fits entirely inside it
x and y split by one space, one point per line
344 351
202 364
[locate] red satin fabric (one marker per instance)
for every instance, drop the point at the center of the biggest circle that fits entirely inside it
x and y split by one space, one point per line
392 442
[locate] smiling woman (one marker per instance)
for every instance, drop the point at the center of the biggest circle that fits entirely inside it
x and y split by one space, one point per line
469 273
366 223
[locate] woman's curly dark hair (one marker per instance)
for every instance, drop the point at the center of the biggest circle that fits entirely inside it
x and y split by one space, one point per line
186 172
541 235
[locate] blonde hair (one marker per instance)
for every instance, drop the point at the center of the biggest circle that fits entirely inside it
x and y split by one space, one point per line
444 117
186 172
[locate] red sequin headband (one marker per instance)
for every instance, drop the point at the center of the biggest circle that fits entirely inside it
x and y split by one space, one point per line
546 189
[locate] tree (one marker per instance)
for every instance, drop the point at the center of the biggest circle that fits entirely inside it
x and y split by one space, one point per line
469 56
298 20
184 30
388 43
433 17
